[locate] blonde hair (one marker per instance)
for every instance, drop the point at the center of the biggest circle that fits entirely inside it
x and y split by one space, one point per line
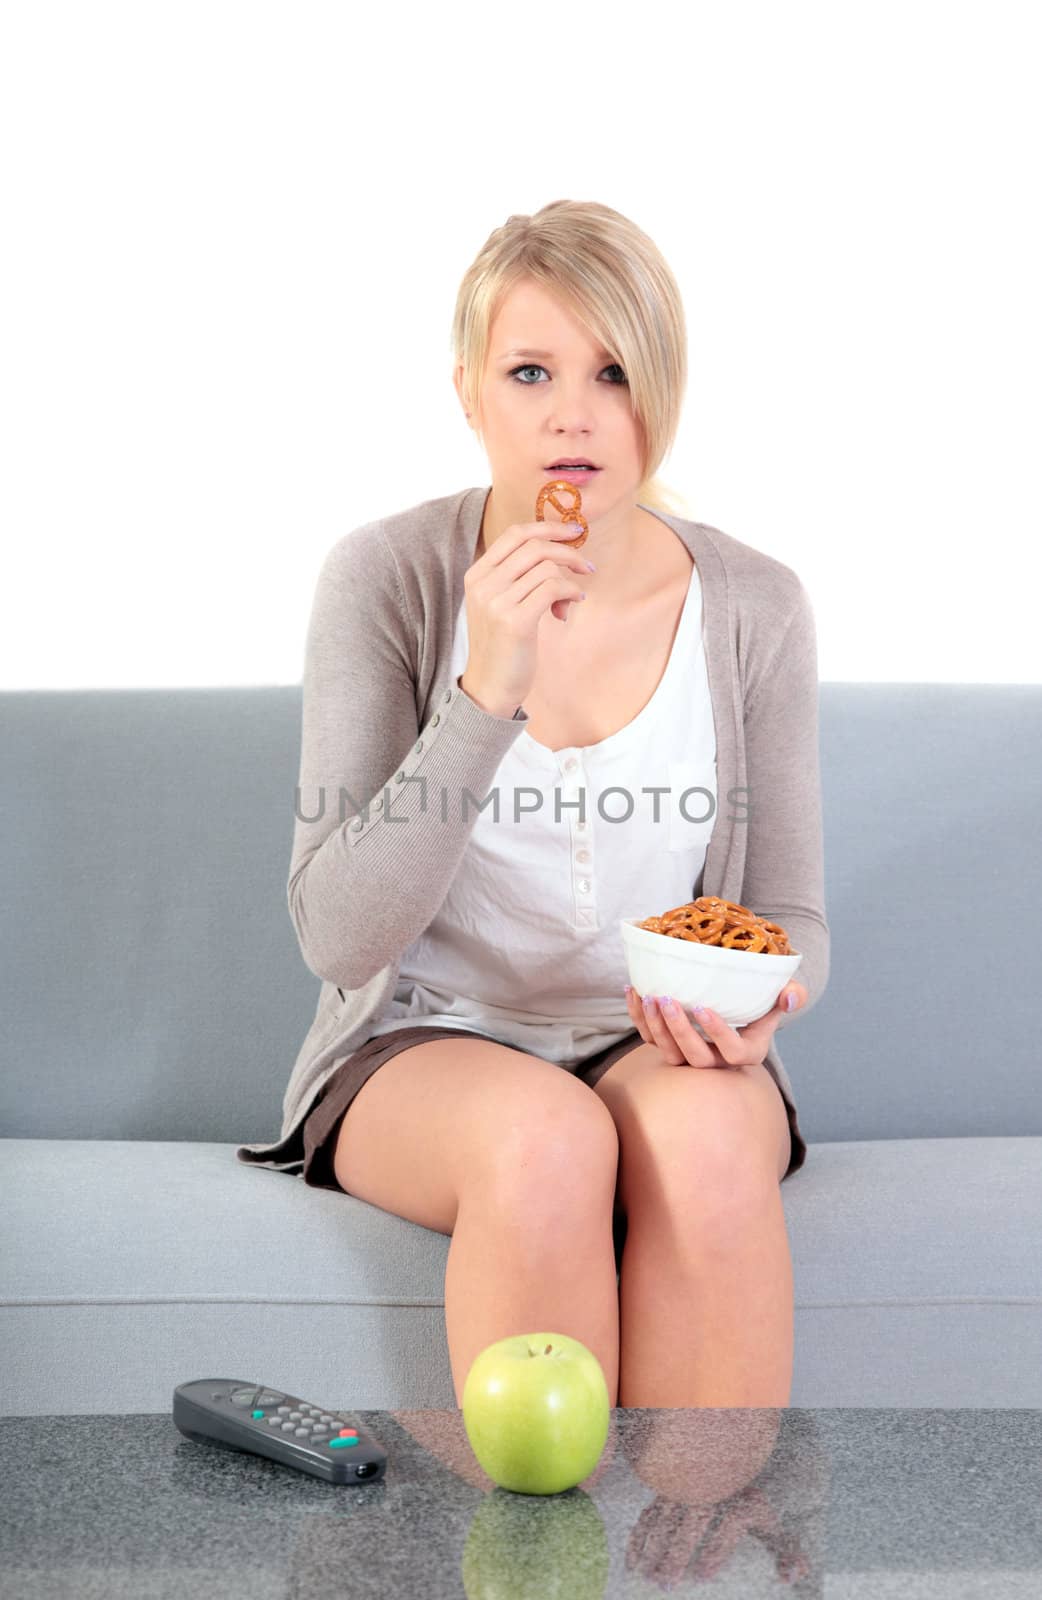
618 284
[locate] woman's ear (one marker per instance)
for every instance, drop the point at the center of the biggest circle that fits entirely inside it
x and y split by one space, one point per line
457 381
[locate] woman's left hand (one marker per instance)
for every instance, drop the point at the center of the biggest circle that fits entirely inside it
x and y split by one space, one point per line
681 1044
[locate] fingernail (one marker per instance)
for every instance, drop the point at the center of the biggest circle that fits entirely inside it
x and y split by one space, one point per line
699 1011
790 1000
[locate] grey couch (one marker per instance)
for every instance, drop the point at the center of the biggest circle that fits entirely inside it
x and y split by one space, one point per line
154 999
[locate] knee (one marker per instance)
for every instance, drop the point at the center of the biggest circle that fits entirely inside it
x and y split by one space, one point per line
703 1169
561 1159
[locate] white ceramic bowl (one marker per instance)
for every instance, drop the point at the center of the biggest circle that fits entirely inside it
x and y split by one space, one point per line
737 984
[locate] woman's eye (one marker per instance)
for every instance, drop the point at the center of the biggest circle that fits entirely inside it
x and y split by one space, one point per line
614 367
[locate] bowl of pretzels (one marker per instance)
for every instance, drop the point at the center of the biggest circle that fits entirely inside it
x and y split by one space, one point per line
711 952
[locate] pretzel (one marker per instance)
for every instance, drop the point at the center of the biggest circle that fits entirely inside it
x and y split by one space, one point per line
710 920
571 513
745 937
730 910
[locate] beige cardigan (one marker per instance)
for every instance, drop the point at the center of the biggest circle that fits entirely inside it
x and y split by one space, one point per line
390 744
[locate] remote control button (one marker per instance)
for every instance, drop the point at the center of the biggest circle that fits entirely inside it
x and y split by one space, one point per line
243 1397
269 1398
283 1411
302 1433
343 1443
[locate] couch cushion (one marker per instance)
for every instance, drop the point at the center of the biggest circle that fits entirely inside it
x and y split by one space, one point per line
127 1267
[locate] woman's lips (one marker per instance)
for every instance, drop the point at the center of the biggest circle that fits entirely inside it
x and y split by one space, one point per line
574 474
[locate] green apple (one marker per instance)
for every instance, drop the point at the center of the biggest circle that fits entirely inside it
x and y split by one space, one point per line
537 1412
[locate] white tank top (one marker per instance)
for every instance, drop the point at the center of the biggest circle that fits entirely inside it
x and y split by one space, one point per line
527 946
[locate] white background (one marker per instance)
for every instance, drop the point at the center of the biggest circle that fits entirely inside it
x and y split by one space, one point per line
233 236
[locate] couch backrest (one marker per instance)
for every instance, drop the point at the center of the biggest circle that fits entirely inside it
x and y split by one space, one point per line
152 987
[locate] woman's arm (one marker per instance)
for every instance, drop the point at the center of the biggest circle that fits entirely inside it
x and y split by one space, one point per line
784 859
364 882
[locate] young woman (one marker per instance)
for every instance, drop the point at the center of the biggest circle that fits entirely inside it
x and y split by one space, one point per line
502 755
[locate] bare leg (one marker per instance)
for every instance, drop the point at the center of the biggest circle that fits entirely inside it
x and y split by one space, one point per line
707 1319
509 1273
517 1162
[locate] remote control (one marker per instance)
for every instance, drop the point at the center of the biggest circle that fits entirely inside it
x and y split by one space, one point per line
239 1415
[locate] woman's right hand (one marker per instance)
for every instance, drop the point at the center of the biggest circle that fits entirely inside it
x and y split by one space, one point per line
520 577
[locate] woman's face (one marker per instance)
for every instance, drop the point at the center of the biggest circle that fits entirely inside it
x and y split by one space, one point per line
569 400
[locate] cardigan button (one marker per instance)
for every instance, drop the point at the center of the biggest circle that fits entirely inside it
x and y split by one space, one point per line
399 777
356 825
418 746
378 803
435 719
447 696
